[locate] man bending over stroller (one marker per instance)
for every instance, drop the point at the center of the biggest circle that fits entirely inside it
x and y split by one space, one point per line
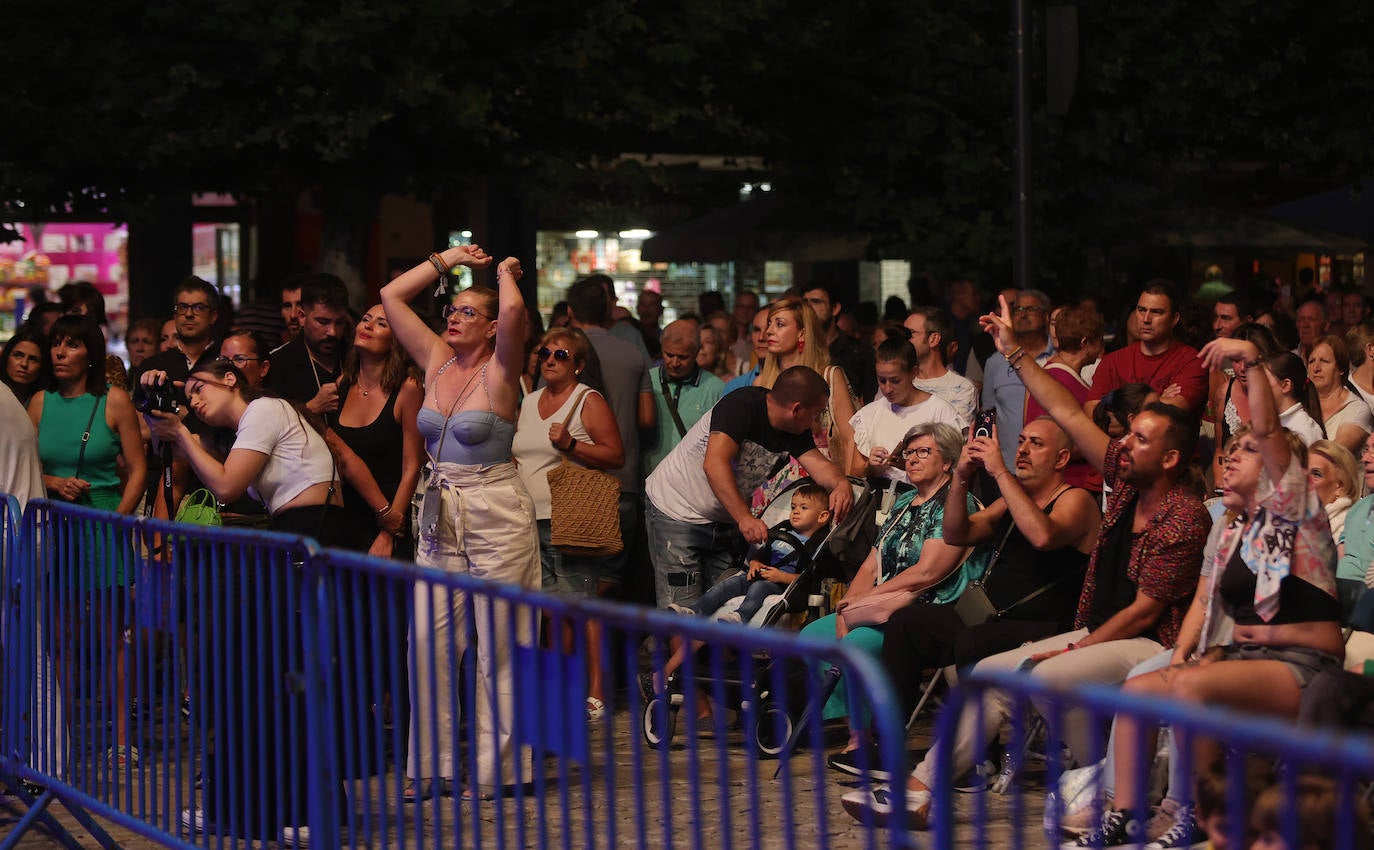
772 565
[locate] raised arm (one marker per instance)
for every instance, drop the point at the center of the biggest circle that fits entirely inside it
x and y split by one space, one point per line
511 318
959 528
1058 402
1264 411
1074 520
410 330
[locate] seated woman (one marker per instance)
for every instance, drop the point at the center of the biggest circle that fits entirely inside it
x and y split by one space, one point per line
885 421
1335 475
1273 574
911 561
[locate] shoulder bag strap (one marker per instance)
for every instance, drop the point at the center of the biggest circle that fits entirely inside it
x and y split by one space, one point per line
672 404
86 438
1034 594
576 403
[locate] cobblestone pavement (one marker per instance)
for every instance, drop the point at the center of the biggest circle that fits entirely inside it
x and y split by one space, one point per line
740 806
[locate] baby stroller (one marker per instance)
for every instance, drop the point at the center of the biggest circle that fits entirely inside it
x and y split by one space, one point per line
774 709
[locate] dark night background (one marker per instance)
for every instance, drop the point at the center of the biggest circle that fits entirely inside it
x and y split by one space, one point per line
891 118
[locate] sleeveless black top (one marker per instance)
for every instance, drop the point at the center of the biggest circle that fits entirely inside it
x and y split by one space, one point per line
1021 569
379 445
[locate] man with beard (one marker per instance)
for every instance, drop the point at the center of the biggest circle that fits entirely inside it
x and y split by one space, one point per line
1140 581
1159 359
306 369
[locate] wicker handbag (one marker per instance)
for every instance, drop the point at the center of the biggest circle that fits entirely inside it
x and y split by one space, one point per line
585 516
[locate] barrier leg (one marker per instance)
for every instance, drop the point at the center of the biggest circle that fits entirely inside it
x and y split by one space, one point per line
38 813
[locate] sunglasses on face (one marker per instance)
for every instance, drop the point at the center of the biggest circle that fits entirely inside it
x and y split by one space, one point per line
465 310
562 355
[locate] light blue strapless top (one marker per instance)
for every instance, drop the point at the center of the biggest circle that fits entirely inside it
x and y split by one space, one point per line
474 436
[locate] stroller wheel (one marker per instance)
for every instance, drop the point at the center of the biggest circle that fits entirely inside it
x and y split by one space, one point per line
660 721
773 726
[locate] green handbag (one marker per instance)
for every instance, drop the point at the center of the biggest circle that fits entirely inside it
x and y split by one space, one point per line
200 508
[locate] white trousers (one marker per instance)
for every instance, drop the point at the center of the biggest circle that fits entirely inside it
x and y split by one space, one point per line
485 528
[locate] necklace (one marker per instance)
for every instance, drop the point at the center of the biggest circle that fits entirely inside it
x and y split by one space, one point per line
364 390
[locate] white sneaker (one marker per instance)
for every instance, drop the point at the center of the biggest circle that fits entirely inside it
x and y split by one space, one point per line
730 617
296 836
193 821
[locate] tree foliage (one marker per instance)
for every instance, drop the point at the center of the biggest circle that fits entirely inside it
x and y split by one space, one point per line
896 117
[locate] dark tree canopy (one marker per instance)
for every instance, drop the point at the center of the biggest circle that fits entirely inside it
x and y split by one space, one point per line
894 116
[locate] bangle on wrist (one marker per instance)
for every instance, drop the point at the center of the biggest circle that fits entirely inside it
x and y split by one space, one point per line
439 265
383 511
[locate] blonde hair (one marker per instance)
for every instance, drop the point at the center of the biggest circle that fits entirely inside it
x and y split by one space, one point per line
1344 463
815 354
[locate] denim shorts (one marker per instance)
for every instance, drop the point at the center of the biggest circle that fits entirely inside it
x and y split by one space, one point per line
1302 662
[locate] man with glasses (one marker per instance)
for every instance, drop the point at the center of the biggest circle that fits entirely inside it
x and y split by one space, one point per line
1159 359
683 391
932 336
306 369
856 360
195 309
1002 387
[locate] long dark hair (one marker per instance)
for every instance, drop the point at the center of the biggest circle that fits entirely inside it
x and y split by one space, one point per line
397 369
1287 366
41 381
83 329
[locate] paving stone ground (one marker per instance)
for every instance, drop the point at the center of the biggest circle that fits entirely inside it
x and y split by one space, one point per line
630 788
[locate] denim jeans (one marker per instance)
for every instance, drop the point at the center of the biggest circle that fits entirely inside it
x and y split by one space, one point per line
688 557
755 594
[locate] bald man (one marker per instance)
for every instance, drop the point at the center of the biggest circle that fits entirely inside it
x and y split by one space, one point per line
683 392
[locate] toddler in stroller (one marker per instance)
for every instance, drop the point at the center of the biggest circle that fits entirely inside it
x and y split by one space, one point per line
771 566
782 565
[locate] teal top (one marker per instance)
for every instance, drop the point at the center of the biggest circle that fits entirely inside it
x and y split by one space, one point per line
59 444
694 397
1359 542
903 537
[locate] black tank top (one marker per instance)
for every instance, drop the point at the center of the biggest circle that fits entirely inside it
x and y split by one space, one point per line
1299 601
379 445
1021 569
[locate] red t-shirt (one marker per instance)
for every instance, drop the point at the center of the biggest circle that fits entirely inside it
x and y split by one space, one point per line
1179 364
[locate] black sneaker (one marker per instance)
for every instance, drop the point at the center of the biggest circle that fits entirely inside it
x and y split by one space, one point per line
1117 829
860 763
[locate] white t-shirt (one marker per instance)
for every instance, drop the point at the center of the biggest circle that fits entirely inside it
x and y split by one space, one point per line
1300 422
679 487
534 454
1353 412
21 472
297 456
955 389
883 424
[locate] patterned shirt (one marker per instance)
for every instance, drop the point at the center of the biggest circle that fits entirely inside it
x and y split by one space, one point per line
1289 534
905 533
1165 558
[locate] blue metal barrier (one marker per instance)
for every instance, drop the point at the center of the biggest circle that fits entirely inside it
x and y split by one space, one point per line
219 687
177 698
1244 740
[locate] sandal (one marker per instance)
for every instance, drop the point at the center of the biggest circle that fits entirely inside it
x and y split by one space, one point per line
596 709
121 756
470 796
423 790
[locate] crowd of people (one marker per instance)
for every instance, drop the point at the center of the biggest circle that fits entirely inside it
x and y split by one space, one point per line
1060 470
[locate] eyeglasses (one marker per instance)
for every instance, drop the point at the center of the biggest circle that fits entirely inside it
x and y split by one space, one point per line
181 308
1020 310
562 355
465 310
237 359
921 452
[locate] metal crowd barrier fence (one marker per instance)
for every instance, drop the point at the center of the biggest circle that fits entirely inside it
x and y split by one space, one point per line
225 688
1254 753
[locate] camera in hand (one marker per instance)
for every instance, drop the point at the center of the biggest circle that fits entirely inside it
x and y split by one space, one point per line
983 421
160 397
